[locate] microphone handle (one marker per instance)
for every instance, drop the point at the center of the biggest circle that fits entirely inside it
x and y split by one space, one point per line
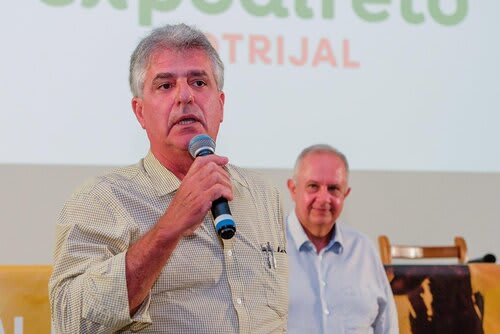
223 220
220 207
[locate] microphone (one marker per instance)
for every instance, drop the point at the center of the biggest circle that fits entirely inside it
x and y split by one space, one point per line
225 227
487 258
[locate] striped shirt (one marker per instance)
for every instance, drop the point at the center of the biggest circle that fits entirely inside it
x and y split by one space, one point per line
209 285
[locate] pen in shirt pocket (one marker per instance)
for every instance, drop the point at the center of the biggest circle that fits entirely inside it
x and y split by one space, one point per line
270 259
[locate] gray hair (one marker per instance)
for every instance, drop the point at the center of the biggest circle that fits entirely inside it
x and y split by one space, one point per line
175 37
319 148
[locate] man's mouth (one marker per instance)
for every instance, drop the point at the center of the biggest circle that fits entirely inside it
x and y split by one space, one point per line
187 121
321 211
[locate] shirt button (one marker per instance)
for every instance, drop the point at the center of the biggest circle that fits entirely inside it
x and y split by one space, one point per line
238 300
327 312
229 253
323 283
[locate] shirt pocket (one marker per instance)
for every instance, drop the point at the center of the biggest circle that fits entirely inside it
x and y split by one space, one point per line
275 283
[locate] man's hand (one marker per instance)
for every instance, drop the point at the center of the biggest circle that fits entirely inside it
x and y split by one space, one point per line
205 182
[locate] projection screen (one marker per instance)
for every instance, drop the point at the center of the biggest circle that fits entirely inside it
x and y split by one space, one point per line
396 84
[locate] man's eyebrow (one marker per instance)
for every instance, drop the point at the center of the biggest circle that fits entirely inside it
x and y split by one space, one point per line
168 75
163 76
197 73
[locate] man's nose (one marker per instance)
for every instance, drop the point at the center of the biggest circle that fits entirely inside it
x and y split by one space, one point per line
323 195
184 93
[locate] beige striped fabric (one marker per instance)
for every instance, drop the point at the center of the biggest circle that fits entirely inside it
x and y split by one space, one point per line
209 285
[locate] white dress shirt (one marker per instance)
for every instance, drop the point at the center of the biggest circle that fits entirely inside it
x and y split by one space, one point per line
341 289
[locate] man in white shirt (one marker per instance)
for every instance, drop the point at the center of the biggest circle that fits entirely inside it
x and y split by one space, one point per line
337 283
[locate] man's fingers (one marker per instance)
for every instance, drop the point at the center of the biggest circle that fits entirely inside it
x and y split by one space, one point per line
205 182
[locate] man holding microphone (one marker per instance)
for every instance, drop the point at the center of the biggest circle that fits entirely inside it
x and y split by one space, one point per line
137 249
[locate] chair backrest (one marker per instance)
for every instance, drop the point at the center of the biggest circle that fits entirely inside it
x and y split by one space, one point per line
24 299
389 251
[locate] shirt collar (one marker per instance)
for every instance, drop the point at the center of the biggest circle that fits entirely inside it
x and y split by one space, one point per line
165 182
299 237
302 242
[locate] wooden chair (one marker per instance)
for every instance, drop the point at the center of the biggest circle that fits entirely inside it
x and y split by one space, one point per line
24 299
389 251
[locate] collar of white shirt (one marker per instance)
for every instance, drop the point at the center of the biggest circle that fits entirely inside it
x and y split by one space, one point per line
302 243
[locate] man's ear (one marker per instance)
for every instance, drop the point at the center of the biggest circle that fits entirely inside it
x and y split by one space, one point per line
137 107
291 188
222 99
347 192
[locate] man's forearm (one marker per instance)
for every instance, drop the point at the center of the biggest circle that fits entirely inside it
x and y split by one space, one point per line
145 260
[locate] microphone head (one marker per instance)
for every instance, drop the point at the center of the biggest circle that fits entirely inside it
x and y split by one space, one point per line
201 145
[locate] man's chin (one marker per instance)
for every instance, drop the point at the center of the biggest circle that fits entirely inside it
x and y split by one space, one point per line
322 220
182 138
